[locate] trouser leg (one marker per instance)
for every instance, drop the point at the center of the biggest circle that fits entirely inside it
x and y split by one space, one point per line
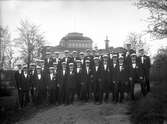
121 90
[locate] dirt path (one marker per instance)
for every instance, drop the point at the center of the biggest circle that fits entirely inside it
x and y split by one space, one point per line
82 114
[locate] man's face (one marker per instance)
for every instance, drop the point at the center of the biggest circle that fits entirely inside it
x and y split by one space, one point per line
47 56
78 64
88 53
133 59
93 53
32 67
128 46
97 54
121 61
82 56
25 69
114 60
50 70
74 55
55 68
66 54
71 68
38 71
96 62
64 66
19 67
105 60
141 52
57 55
87 64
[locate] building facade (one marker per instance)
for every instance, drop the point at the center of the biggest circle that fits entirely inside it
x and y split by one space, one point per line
76 41
72 41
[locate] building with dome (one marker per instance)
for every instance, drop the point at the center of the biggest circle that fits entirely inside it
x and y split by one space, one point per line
76 41
72 41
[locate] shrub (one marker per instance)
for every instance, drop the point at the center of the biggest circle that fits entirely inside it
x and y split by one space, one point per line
152 108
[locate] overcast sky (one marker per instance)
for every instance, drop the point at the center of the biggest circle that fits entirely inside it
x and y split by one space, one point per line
93 18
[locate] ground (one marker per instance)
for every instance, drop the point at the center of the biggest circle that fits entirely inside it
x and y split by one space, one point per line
82 113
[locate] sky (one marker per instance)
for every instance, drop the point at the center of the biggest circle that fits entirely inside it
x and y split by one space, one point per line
94 18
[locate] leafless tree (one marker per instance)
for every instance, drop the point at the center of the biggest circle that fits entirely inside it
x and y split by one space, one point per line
158 16
5 44
137 42
30 41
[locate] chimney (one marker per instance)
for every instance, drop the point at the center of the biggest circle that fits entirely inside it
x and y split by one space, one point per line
106 43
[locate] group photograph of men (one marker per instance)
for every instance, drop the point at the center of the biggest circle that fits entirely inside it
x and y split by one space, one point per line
88 76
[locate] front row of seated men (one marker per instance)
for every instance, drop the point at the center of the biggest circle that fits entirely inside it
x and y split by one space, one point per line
85 78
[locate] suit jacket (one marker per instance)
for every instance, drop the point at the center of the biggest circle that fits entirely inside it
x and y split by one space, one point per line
40 83
32 78
90 57
51 84
122 76
48 64
25 85
135 72
105 73
71 81
97 76
57 60
62 79
78 75
146 65
69 59
18 77
114 71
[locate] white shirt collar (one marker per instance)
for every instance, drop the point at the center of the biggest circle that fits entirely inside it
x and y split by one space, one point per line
51 76
78 69
105 66
64 71
25 74
39 76
134 65
19 71
96 67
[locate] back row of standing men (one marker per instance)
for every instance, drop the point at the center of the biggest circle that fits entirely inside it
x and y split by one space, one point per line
85 77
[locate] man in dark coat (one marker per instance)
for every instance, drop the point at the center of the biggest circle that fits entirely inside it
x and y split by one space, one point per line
98 83
145 64
106 77
25 87
61 82
39 87
122 76
89 57
88 78
78 75
57 60
56 71
70 84
67 57
82 58
128 53
114 77
51 86
74 56
48 61
134 73
18 75
32 74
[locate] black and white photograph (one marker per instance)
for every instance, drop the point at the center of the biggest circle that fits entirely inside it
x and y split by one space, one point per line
83 61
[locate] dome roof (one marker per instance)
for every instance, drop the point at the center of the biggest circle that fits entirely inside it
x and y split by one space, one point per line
75 36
